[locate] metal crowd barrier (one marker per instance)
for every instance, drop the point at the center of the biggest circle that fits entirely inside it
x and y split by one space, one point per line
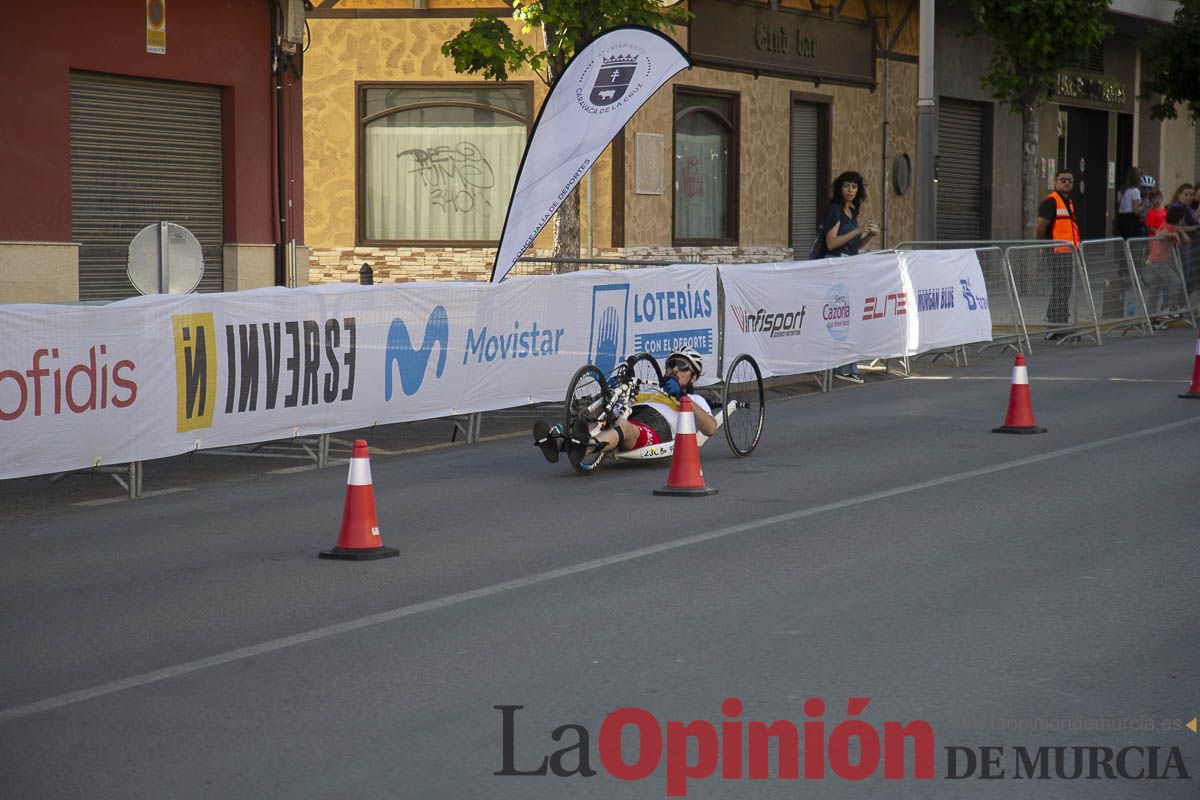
1115 279
1163 281
1054 291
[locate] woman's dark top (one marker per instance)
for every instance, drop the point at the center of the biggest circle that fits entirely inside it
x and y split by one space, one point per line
835 214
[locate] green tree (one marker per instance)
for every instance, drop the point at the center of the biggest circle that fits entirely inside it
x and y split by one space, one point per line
1034 40
490 48
1172 55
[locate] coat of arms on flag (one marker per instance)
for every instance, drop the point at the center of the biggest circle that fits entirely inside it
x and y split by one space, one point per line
614 77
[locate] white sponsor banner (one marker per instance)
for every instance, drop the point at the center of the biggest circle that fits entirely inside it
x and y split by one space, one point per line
806 316
161 375
599 91
949 296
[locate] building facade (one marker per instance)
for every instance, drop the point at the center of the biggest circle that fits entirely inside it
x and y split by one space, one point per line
1094 125
123 115
410 165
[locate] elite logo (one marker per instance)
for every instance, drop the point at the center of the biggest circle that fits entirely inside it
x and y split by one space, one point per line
412 362
894 304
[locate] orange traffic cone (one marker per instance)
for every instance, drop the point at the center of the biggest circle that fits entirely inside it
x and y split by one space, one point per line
1193 392
359 538
686 478
1020 411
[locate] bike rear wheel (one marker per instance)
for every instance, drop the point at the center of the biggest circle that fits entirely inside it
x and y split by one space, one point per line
587 397
744 422
647 369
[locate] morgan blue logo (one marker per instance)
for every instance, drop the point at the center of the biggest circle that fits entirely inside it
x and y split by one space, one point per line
973 301
610 309
412 362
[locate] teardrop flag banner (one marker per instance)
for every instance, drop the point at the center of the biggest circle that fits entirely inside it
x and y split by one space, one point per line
599 91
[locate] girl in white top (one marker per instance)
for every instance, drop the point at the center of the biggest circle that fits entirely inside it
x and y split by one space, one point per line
1129 204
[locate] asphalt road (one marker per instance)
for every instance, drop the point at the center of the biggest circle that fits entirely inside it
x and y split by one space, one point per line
1010 591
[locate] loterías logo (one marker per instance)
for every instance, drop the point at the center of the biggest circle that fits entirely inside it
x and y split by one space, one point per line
633 744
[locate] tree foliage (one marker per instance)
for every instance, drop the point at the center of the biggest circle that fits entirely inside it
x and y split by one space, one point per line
1034 40
488 46
1172 54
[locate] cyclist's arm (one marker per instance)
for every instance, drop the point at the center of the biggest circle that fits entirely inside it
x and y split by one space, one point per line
706 423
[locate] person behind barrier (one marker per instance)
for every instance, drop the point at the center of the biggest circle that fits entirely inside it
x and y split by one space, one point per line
1056 221
1183 198
1163 289
1129 206
844 236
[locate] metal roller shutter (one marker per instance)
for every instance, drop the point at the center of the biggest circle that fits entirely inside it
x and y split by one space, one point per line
805 159
960 170
142 151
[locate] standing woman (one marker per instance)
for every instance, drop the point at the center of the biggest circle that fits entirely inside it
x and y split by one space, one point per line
844 236
1184 197
1129 206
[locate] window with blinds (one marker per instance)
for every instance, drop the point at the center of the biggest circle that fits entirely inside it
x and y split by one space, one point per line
142 151
961 156
809 173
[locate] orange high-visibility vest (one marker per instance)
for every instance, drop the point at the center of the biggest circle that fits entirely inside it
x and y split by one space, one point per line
1064 227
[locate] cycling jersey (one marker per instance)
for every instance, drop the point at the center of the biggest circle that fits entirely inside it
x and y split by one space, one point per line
659 411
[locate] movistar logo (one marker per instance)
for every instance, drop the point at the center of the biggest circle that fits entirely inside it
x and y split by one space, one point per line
412 362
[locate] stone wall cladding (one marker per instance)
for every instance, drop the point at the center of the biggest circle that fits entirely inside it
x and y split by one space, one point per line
408 264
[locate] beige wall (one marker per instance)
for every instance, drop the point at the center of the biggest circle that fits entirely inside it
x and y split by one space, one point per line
346 51
1178 155
249 266
39 272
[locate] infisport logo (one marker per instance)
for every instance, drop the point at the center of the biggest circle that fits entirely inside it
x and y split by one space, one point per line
878 307
300 362
772 323
412 362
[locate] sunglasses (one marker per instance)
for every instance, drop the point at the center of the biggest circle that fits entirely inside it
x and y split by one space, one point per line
679 364
1066 180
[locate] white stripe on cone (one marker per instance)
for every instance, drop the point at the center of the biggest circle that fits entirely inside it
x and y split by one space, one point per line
360 472
1020 375
686 423
1198 345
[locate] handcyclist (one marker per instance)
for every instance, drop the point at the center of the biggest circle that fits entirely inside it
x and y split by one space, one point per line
654 414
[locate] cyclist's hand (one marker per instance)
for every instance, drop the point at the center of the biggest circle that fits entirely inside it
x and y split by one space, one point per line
671 387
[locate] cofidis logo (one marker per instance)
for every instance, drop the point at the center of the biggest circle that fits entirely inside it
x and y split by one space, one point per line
836 312
300 362
61 382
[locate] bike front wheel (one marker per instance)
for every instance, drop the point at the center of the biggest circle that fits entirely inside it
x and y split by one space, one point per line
744 404
588 396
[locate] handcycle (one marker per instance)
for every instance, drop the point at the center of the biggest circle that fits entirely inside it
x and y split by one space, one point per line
597 401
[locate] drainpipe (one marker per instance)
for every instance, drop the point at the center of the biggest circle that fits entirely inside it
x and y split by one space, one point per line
924 228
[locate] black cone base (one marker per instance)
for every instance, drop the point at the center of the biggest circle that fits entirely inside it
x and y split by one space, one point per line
1191 396
668 491
1015 429
359 554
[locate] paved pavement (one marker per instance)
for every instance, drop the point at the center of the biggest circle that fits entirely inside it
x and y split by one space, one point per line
1011 591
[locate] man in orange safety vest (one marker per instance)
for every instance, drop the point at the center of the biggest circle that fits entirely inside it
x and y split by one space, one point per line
1056 221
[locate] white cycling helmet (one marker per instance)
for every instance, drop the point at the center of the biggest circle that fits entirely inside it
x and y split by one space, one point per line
1148 181
693 358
